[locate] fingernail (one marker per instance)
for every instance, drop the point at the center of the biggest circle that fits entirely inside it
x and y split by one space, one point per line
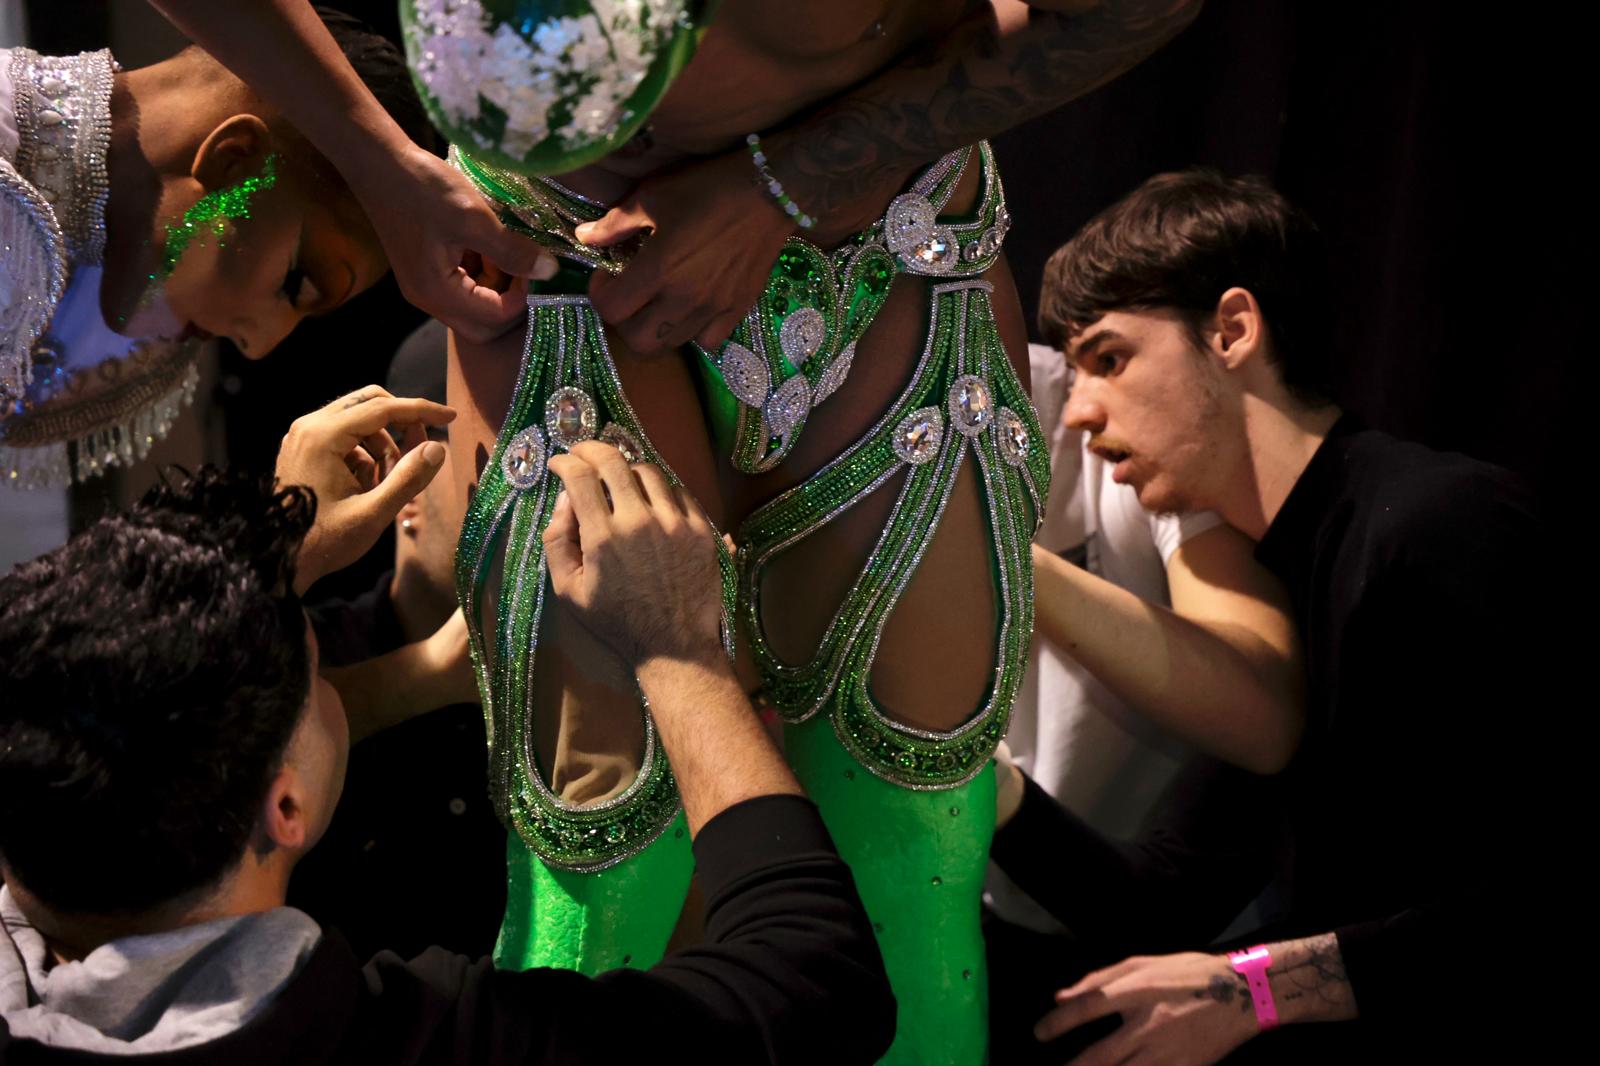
583 231
433 453
545 269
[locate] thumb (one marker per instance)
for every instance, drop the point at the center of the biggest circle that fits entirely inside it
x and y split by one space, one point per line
519 256
628 219
563 555
410 476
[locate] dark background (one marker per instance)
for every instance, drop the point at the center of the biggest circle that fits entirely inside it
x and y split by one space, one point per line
1438 150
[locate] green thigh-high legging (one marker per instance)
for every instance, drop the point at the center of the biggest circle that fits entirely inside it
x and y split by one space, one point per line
918 860
593 922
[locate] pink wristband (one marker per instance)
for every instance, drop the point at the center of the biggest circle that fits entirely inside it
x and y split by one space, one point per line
1252 965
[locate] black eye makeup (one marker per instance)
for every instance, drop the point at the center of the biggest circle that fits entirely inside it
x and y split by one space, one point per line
293 284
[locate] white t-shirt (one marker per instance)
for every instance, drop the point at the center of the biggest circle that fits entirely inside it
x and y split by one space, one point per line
1083 745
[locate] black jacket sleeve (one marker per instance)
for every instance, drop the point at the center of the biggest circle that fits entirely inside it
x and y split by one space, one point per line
1208 848
790 972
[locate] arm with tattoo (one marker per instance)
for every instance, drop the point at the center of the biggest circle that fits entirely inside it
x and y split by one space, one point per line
1192 1007
846 161
1309 983
999 67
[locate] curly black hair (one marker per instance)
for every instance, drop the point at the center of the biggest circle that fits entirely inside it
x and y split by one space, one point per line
152 671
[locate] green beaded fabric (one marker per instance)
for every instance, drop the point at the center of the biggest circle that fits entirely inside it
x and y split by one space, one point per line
795 347
963 398
567 391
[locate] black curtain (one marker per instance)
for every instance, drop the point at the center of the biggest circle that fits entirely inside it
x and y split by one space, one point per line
1439 151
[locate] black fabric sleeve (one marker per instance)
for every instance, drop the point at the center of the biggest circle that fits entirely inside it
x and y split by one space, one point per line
790 972
1471 596
1208 848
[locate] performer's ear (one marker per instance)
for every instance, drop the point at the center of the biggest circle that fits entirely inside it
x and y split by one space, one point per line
234 151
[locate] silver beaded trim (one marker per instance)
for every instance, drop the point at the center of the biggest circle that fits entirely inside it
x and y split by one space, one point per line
63 111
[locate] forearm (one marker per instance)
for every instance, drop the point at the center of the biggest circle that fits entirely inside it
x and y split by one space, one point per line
392 688
999 67
1215 685
721 754
1309 982
1197 862
281 49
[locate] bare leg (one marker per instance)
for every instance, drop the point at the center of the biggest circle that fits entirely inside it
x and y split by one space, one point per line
950 603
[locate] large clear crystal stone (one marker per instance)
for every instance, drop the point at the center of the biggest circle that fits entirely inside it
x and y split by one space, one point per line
1013 436
939 254
802 334
834 375
970 406
746 374
917 438
523 460
622 441
570 416
907 223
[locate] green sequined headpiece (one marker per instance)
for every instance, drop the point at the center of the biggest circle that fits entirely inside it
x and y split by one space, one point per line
547 86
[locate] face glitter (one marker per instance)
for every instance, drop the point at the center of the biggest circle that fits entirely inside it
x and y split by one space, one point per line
212 213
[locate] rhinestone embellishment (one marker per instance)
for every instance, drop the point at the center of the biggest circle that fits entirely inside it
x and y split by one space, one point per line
570 416
908 223
939 254
971 410
622 441
834 375
1012 433
523 460
918 436
788 406
802 334
746 374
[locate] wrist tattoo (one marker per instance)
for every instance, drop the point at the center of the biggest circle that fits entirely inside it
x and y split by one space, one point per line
1312 973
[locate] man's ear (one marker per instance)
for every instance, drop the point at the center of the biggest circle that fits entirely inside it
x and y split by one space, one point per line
1240 330
283 813
237 149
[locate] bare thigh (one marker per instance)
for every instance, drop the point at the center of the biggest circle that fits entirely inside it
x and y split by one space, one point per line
587 729
935 661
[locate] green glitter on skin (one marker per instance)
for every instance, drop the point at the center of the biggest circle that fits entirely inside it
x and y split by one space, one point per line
213 211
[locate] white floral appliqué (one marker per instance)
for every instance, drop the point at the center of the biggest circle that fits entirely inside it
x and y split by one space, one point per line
585 67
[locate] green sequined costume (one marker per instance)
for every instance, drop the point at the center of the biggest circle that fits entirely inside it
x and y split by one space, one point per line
912 811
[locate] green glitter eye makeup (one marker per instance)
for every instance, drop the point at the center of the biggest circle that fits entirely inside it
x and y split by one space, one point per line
212 213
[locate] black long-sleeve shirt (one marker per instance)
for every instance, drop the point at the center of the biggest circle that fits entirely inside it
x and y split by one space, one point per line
790 973
1421 586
